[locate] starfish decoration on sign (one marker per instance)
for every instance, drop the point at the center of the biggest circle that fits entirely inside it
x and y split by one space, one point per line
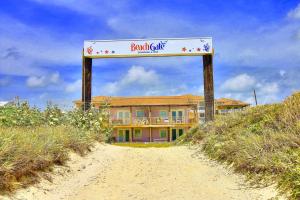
183 49
106 51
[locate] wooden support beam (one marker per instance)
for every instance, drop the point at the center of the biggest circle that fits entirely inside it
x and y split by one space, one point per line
130 115
130 135
170 115
150 136
208 87
196 114
86 82
149 115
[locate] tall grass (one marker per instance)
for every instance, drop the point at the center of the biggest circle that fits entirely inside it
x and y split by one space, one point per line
32 140
262 142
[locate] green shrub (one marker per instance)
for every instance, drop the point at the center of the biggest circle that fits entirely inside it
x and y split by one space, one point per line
94 120
20 115
53 115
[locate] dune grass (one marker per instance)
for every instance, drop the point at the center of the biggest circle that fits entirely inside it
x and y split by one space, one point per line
24 151
262 143
32 141
145 145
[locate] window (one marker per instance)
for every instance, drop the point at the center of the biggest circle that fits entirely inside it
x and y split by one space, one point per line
201 104
120 115
202 115
140 113
163 133
137 133
201 107
177 116
163 114
123 114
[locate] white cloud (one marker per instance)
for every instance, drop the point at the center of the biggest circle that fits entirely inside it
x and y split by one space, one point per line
269 88
137 76
282 73
42 81
74 87
111 88
239 83
44 96
35 81
241 87
295 13
54 78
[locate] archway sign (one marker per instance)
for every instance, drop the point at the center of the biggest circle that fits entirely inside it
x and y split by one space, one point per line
162 47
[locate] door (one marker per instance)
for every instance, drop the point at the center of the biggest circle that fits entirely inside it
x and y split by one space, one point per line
174 134
127 135
180 132
121 136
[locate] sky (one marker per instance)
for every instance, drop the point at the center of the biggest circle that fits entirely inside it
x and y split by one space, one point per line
256 43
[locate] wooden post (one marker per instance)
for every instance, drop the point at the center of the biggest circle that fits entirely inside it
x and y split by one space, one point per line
255 97
86 82
170 134
131 134
170 115
196 115
149 115
208 87
130 115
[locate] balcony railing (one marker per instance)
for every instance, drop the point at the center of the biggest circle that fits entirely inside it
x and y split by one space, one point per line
152 121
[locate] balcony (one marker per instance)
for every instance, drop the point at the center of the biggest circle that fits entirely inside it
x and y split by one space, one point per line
155 121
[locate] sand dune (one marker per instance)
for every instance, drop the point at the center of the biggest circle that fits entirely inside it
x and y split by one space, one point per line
122 173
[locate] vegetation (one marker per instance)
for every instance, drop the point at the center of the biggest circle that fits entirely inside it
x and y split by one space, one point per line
32 140
262 142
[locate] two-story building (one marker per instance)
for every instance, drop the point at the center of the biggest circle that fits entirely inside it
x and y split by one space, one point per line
153 118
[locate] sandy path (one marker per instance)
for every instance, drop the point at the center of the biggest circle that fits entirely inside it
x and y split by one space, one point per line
112 172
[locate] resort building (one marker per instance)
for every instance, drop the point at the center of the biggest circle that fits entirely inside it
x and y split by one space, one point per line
157 118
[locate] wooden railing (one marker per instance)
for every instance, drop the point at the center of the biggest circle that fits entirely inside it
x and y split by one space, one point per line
152 121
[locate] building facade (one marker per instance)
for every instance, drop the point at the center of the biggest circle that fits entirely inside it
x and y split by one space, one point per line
156 118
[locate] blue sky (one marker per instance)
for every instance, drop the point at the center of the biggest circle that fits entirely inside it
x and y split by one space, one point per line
257 45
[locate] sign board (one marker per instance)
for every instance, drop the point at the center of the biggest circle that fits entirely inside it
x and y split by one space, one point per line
148 47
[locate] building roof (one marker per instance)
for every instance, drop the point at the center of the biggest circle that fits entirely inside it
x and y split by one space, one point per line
147 100
231 102
187 99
